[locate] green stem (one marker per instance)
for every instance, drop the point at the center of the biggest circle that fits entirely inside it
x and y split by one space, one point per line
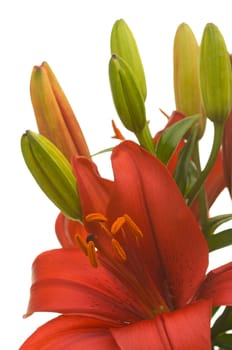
146 140
202 201
218 133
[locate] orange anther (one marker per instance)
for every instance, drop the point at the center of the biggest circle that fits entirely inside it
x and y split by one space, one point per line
118 249
138 233
117 224
92 254
95 217
82 243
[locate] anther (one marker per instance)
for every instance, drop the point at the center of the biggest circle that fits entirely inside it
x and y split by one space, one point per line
117 224
92 254
138 233
118 249
95 217
82 243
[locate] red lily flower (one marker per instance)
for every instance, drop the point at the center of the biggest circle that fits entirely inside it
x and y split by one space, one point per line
150 289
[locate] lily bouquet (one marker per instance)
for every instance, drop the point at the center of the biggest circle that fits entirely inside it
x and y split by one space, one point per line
132 270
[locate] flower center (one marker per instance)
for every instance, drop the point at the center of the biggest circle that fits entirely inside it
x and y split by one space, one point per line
91 245
108 243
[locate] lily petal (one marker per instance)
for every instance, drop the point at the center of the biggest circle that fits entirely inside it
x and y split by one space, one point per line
71 333
188 328
64 281
66 230
218 285
94 190
148 193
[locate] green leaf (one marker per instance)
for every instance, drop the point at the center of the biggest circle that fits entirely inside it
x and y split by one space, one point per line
220 240
172 136
215 222
102 151
224 341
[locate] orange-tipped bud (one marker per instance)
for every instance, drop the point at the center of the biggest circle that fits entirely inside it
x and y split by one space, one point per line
54 115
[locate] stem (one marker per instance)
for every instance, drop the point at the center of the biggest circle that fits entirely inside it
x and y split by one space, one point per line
202 200
145 139
218 133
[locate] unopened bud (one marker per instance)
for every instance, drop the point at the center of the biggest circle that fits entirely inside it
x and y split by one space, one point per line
215 75
54 115
126 94
186 71
52 172
124 45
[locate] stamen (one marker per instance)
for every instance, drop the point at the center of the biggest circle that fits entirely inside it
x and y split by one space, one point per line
95 217
92 254
82 243
117 224
118 249
138 233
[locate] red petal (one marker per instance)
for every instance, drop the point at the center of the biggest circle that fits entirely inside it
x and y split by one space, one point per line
66 231
173 244
218 286
94 191
65 282
215 182
71 333
187 328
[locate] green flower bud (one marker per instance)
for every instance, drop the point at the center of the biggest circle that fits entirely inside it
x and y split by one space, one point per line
126 94
52 172
186 70
215 75
124 45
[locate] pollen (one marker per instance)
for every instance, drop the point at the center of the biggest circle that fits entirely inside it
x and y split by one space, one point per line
118 249
95 217
92 254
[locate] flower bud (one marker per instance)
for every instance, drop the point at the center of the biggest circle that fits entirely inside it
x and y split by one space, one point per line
186 70
52 172
124 45
215 75
126 94
54 115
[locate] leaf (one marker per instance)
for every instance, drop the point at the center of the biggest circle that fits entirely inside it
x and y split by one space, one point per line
172 136
215 222
102 151
220 240
224 341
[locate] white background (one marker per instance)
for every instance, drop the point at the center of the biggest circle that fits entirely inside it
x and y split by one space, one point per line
73 37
